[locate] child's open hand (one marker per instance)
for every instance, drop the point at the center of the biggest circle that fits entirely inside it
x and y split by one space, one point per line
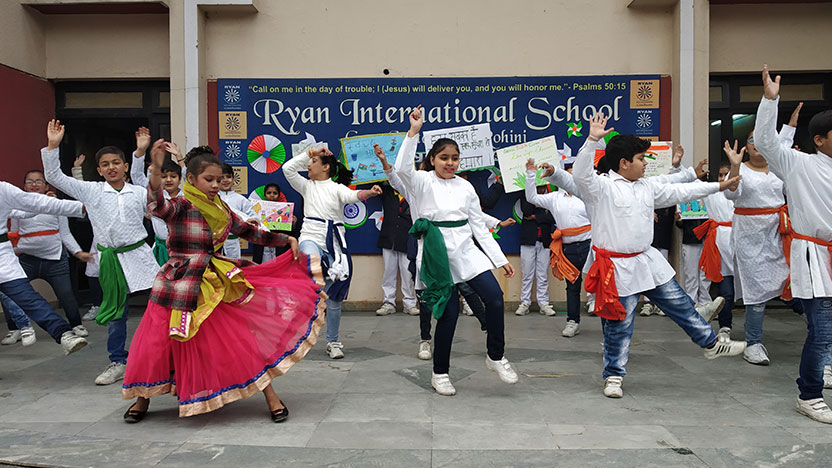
530 165
700 168
54 134
730 184
157 153
598 127
548 169
795 115
142 141
416 121
79 161
678 153
733 157
771 88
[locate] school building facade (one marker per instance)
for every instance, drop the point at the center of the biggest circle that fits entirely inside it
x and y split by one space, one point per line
105 67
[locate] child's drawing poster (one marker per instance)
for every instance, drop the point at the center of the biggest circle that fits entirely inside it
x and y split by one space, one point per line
276 216
474 141
659 158
694 209
359 155
513 161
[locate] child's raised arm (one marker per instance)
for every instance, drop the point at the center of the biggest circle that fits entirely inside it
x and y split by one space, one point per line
51 158
586 179
407 152
157 204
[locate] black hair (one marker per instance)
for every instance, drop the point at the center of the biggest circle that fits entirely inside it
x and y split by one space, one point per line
26 175
227 169
337 170
198 158
272 184
169 166
623 147
109 150
567 166
438 146
820 125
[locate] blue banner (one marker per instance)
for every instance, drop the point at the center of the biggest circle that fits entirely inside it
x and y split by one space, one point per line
260 119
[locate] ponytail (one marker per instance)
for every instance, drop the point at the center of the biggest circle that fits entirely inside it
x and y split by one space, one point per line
338 172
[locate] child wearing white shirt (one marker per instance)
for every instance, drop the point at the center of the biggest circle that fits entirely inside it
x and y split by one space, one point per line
808 180
449 218
116 210
623 264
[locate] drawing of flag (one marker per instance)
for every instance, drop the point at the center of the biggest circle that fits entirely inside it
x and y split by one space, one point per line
574 129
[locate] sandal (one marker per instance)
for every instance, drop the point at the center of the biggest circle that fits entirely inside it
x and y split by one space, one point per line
133 416
280 415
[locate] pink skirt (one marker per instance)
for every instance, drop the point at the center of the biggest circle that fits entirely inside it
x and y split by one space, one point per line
239 349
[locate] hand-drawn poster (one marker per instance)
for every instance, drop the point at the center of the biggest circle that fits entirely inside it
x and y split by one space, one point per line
659 158
513 161
694 209
276 216
360 156
475 150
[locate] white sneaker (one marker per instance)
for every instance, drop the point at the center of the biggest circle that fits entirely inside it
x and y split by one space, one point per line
72 342
658 311
571 329
590 307
503 369
442 384
827 376
424 350
112 374
522 309
756 354
12 337
411 310
334 349
80 330
724 334
612 386
91 314
386 309
815 409
27 336
710 310
466 309
725 348
547 310
646 310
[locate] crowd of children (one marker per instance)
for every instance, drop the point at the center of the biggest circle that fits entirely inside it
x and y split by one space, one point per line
218 328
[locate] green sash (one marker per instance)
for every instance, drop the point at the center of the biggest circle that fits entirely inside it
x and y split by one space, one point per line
160 251
436 271
113 283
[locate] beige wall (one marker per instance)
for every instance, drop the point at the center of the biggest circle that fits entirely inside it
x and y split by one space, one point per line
320 38
787 37
23 38
107 46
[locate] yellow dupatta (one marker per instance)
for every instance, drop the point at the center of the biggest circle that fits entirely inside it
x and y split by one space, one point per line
222 281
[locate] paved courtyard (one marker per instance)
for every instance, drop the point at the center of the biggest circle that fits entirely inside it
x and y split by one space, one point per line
375 407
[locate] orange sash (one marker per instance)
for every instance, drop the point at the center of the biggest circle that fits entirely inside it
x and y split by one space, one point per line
785 230
710 262
827 244
15 236
561 266
601 281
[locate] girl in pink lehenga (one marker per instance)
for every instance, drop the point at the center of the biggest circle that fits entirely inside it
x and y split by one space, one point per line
217 329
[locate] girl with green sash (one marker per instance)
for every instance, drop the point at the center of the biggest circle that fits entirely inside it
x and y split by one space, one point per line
448 219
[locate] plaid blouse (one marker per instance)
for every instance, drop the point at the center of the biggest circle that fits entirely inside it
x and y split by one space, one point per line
190 245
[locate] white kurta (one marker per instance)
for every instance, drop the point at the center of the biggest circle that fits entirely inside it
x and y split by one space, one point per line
453 199
622 219
11 198
721 209
239 204
140 178
569 211
808 180
48 247
760 268
116 218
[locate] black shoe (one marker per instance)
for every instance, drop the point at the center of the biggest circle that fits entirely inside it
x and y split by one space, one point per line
133 416
280 415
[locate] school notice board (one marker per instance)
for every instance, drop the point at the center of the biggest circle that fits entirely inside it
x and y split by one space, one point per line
259 121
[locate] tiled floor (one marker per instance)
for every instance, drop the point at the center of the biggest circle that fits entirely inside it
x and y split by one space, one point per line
375 407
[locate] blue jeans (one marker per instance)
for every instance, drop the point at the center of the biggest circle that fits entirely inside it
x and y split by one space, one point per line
726 290
333 308
488 289
117 337
36 307
15 317
670 298
817 347
754 315
56 273
576 252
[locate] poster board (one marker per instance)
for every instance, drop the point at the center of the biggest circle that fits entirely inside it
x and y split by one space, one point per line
475 149
659 158
359 155
275 216
694 209
513 161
